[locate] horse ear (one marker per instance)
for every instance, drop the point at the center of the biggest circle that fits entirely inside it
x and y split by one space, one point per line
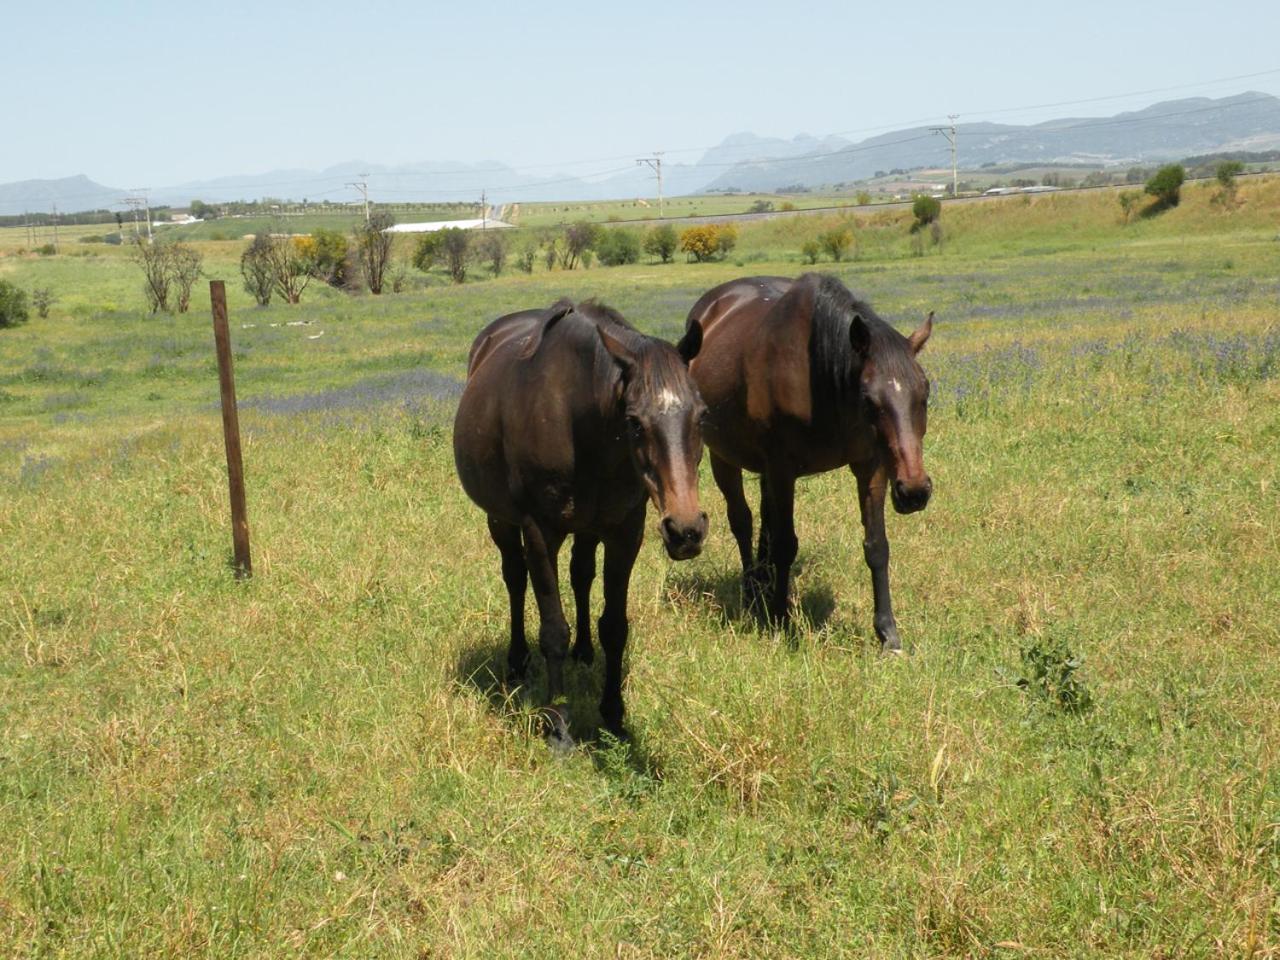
550 317
921 336
620 352
691 342
859 335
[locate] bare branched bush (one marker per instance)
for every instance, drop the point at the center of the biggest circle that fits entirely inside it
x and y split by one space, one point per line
373 247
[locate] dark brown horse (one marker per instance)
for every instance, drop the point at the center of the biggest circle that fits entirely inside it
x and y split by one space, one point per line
570 421
800 378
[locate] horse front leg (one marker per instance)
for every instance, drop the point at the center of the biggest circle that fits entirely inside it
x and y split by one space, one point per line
620 551
582 573
541 548
872 483
729 479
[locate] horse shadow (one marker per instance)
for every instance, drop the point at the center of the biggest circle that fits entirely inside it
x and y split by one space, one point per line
629 764
723 593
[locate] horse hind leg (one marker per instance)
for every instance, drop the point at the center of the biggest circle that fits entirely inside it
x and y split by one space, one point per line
582 573
515 574
778 538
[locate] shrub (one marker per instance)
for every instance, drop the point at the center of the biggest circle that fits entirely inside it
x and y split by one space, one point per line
1129 203
455 244
427 251
373 243
661 242
926 209
863 198
527 254
708 241
46 250
255 268
836 243
185 265
1166 185
493 249
13 304
42 298
760 206
331 261
618 246
810 250
1226 173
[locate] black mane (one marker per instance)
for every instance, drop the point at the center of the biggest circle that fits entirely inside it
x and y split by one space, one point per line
834 366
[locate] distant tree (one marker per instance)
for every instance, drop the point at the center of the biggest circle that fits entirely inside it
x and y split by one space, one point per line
13 304
255 268
427 251
1227 171
810 250
42 298
185 264
374 242
332 261
1166 185
760 206
661 242
837 242
618 246
550 250
493 249
203 211
578 238
455 245
863 198
926 209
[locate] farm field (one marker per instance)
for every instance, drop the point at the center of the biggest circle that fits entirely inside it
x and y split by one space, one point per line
1080 757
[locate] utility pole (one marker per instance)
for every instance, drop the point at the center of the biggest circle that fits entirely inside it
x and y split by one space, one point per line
55 228
654 163
484 212
950 133
363 186
135 204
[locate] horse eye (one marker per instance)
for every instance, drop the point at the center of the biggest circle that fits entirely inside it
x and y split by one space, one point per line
634 424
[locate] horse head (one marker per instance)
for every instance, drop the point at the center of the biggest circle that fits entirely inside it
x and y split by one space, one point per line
895 392
663 414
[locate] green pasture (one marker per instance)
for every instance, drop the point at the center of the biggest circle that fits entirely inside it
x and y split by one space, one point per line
1080 757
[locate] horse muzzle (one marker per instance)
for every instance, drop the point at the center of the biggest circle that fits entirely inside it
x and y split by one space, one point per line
683 539
911 495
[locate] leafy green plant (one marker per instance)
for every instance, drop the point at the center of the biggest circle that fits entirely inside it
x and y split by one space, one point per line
926 210
1051 674
661 242
618 246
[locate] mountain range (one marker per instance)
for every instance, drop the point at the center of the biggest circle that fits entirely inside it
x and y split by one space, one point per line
1164 131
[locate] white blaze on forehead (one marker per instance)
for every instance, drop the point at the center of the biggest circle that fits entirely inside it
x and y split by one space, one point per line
897 387
667 400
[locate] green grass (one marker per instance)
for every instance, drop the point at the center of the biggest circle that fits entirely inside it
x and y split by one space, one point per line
1080 758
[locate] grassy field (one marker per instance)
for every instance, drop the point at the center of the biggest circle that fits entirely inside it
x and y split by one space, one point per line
1080 758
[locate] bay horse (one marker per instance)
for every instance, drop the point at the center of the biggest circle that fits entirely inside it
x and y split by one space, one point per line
799 378
571 421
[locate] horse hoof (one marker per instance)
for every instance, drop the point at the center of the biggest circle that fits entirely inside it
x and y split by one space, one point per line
584 653
559 740
892 649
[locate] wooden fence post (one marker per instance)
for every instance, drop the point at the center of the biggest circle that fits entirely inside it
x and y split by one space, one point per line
231 429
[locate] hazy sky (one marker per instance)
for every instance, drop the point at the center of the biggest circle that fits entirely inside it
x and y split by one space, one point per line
157 93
